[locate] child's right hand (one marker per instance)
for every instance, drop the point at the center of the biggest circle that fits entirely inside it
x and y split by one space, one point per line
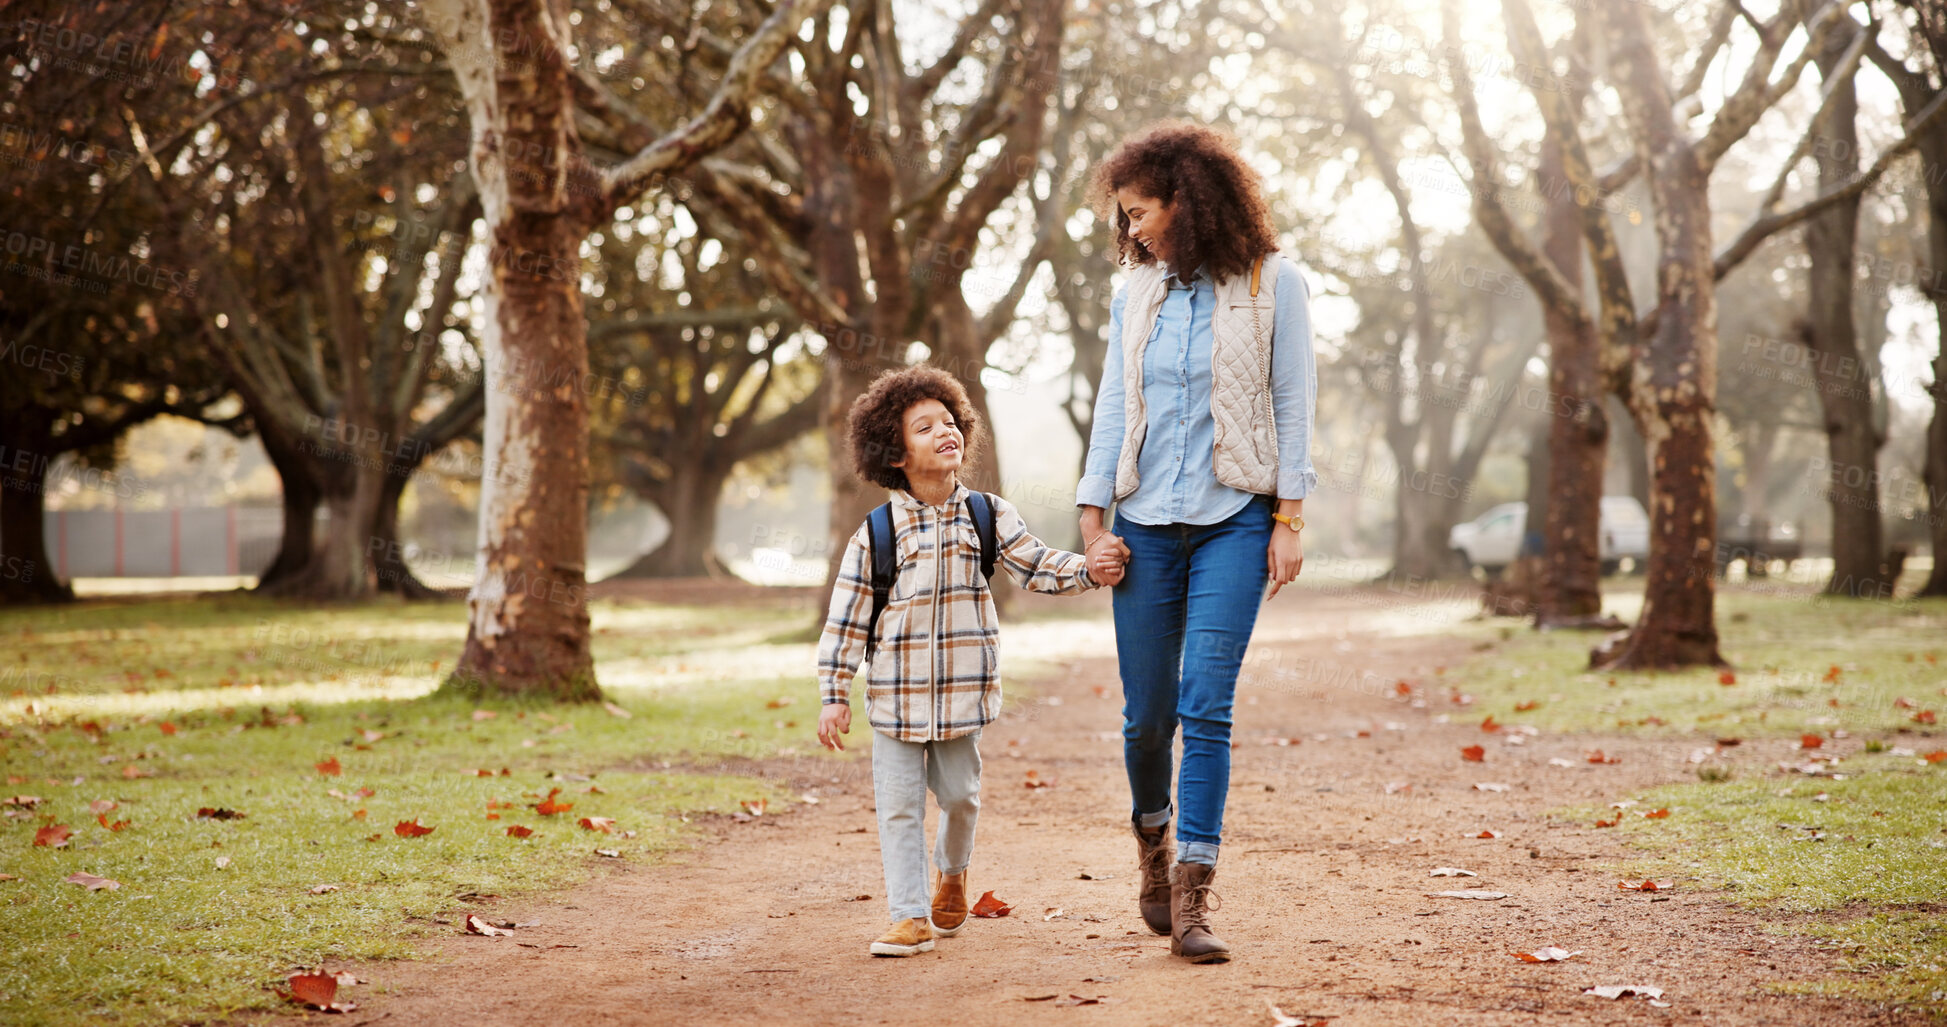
1106 561
833 720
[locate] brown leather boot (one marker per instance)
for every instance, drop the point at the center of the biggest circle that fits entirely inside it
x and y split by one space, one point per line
1153 869
1191 901
949 904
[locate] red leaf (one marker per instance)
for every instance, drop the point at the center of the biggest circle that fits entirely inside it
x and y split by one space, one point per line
1474 754
318 991
991 907
116 826
365 793
358 814
1924 717
132 772
1904 703
1597 756
1936 756
1726 678
1402 688
412 829
101 805
493 816
1832 675
1545 954
1489 724
167 728
520 832
1810 741
601 824
1647 886
1611 822
1035 780
91 882
23 801
548 807
1525 706
1488 834
330 767
54 836
755 807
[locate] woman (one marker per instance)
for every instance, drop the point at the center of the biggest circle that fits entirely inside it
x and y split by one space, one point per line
1202 440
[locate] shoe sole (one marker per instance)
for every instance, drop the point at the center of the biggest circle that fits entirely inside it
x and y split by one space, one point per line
881 948
1207 957
947 932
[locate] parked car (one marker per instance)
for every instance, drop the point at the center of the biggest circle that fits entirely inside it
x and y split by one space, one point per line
1492 540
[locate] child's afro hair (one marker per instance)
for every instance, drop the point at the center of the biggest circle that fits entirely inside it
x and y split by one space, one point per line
876 426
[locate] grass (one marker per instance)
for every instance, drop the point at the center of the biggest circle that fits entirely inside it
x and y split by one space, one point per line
165 708
1860 850
1800 665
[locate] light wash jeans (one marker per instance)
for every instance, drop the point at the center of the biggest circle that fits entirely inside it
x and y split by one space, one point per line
901 774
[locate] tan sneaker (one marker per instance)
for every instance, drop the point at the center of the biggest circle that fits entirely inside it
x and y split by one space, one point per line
949 904
905 938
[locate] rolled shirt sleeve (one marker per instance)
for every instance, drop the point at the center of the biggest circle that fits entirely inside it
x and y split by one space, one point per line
1294 383
1097 487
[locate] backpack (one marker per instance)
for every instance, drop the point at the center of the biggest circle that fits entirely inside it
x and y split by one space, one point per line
885 558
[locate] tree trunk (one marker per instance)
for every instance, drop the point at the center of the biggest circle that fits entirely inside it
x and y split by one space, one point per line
26 573
1424 516
1673 401
301 498
387 552
689 500
1578 435
528 612
1844 386
1933 282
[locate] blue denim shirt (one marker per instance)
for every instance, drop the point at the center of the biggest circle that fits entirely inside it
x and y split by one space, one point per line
1177 464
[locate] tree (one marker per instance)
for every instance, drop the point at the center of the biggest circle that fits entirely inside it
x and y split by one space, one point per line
528 627
722 383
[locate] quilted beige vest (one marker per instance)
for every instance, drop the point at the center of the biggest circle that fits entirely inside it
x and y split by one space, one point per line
1246 455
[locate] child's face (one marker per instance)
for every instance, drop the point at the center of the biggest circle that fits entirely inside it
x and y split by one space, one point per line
934 446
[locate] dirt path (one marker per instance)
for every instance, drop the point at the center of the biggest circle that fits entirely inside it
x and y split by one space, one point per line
1324 885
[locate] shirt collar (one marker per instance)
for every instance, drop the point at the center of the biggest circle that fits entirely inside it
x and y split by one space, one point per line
1172 280
907 501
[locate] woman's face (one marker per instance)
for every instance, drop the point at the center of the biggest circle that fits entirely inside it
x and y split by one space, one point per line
1149 220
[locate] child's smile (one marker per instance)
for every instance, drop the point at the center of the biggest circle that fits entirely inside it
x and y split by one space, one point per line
935 447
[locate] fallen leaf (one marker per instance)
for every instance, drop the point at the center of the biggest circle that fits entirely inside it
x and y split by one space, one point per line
330 767
118 825
358 814
991 907
91 882
1924 717
484 714
23 801
617 711
100 806
778 703
1034 780
610 853
1936 756
1395 787
1402 688
1488 834
365 793
167 728
520 832
1051 913
548 807
132 772
1726 678
8 877
1557 761
1546 954
1903 703
1280 1018
53 836
318 991
1613 821
1646 886
1451 872
1489 724
323 889
601 824
475 925
207 813
755 807
1473 754
1656 814
1620 990
412 829
1597 756
1489 786
1832 674
1526 705
1470 894
1810 741
222 862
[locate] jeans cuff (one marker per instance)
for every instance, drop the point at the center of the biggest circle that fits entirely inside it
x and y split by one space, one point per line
1152 821
1196 852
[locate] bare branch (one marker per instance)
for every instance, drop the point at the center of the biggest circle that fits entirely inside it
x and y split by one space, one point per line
1758 93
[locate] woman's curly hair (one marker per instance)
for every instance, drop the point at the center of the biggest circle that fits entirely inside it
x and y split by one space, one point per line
876 426
1219 221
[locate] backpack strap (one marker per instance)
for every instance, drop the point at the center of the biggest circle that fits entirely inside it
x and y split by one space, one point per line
981 506
885 567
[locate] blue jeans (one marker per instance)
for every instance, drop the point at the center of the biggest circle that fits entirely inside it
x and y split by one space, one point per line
1183 618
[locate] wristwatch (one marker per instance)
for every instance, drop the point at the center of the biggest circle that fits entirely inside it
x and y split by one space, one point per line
1295 521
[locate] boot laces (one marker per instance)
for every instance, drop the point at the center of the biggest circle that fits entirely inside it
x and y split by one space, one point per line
1201 899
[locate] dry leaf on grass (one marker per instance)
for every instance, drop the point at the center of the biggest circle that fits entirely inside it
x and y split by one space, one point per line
330 767
1546 954
91 882
317 991
117 825
602 824
617 711
1647 886
1656 814
53 836
1473 754
609 853
218 813
548 807
1598 756
412 829
990 907
1810 741
222 862
755 807
100 806
323 889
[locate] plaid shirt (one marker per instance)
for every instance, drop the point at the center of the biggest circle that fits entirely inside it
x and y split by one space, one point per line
935 670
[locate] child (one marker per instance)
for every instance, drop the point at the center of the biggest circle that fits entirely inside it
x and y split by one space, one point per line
933 680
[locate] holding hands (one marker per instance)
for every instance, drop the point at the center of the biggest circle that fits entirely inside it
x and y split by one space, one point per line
1107 557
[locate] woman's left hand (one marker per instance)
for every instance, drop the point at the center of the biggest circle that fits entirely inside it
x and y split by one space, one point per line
1286 556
